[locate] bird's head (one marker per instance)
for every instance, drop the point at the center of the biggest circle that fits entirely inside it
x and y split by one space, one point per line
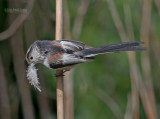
33 54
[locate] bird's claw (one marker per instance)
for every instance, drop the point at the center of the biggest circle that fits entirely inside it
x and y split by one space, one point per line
62 74
59 75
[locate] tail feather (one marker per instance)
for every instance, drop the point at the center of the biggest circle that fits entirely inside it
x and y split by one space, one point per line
126 46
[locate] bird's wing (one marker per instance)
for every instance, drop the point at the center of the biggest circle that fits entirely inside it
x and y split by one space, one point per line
67 57
67 60
72 45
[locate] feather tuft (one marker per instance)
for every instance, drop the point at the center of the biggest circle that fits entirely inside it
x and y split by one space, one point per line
32 76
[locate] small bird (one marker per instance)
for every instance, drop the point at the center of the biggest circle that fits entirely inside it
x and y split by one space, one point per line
65 54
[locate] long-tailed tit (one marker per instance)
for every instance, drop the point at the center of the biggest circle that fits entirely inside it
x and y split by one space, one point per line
64 54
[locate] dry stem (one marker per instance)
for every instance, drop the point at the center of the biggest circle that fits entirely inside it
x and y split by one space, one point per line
59 35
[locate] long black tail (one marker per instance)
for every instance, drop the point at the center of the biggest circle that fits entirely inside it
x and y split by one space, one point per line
125 46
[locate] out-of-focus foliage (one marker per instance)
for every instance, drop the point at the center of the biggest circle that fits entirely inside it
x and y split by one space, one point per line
109 72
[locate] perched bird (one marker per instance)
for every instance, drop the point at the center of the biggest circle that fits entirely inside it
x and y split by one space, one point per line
64 54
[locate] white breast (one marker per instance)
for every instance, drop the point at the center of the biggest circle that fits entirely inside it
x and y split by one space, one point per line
45 62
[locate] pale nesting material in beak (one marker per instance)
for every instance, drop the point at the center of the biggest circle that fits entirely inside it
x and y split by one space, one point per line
32 76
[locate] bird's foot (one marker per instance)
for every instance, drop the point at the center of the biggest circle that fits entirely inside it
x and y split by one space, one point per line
58 75
62 74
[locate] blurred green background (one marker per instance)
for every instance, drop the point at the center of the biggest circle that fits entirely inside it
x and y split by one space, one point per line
114 86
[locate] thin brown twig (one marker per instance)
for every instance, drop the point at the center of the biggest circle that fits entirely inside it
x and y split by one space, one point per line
133 73
82 10
128 21
59 79
17 22
117 20
140 86
145 31
145 59
128 113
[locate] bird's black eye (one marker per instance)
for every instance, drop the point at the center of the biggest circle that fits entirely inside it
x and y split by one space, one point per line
45 52
31 58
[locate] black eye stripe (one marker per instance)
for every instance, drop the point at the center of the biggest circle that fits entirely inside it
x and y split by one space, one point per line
29 52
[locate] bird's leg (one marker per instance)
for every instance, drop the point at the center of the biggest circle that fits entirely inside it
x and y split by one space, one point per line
58 75
65 71
62 74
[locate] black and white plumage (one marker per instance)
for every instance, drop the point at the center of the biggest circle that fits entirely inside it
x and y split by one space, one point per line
63 54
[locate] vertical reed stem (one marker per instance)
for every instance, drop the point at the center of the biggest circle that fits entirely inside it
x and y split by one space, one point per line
59 35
